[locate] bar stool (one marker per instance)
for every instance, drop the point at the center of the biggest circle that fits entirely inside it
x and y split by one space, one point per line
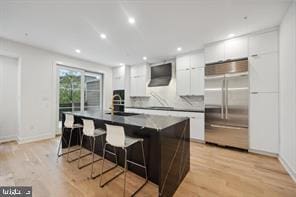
116 138
68 124
90 131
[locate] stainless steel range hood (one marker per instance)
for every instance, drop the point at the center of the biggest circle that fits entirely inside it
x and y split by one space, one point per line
161 75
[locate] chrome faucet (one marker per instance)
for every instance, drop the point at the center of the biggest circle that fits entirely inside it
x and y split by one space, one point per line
113 98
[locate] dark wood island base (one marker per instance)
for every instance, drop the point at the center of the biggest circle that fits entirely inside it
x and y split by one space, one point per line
166 146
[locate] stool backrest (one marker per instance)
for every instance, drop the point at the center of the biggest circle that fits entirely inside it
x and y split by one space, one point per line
69 120
88 127
115 135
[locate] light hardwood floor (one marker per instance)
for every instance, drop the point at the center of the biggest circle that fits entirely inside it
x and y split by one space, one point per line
214 172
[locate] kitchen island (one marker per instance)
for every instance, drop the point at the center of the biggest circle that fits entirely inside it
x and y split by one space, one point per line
166 145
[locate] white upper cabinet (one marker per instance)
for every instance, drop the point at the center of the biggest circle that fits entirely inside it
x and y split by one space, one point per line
264 73
236 48
215 52
263 43
197 81
138 81
197 60
139 70
118 79
183 62
190 75
183 82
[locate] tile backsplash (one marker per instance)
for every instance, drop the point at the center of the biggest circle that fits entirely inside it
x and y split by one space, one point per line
166 96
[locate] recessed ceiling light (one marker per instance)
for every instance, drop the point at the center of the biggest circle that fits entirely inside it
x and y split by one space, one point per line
179 49
77 50
230 35
144 58
121 64
103 36
131 20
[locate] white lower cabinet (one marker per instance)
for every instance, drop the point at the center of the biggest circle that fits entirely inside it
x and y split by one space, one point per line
264 122
197 129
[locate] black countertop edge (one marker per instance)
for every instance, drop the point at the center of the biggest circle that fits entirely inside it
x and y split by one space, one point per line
169 109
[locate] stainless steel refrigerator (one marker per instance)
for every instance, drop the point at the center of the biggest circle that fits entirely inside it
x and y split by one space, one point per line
226 104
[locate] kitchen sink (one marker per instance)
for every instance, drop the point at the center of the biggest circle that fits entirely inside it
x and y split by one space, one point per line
122 114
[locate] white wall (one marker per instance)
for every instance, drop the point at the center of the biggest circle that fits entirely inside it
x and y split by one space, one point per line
8 98
288 91
38 85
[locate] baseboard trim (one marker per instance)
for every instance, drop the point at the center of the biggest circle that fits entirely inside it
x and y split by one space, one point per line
263 153
197 140
7 139
290 170
29 139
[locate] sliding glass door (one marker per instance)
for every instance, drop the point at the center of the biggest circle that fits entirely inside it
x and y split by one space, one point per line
78 90
92 91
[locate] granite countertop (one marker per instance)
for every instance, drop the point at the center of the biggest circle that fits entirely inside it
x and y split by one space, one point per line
142 120
169 109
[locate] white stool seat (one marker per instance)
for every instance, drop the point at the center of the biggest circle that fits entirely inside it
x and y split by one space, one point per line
75 126
130 141
97 132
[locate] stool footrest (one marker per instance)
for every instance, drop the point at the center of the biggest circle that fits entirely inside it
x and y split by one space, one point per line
59 155
102 185
78 157
83 166
110 152
137 164
146 181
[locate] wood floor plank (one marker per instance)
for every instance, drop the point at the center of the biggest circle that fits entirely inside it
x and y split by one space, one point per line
214 172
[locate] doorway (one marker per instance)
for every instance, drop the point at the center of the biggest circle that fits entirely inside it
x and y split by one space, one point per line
9 121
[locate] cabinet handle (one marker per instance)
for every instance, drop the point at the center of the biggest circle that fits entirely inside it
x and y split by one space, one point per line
254 92
255 55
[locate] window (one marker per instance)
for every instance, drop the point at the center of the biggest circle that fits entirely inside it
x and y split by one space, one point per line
78 90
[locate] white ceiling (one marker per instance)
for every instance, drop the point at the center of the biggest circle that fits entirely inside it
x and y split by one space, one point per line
161 25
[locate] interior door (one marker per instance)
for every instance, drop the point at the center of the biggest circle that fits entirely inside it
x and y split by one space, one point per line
237 99
214 98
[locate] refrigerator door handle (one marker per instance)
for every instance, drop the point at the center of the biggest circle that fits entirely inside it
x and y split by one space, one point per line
222 99
226 99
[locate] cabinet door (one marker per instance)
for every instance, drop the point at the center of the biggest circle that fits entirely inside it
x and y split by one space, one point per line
264 73
263 43
197 128
197 60
236 48
141 85
183 62
197 81
138 70
118 83
118 78
264 128
215 52
183 82
133 86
